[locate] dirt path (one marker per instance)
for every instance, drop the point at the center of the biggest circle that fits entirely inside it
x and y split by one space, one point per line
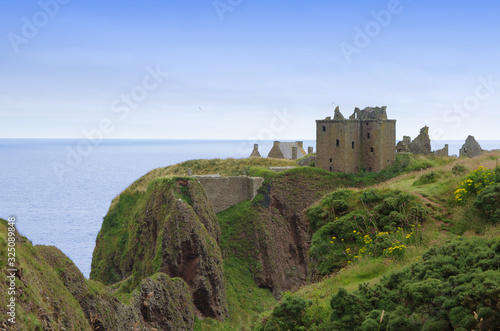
436 207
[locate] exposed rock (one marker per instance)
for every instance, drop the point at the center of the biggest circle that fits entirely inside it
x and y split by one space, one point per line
471 148
421 144
165 303
442 152
255 152
274 235
56 296
170 228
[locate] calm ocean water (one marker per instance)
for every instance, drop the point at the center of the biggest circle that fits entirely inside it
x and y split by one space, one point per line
60 190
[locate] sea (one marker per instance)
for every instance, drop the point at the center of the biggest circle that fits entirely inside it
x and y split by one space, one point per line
59 190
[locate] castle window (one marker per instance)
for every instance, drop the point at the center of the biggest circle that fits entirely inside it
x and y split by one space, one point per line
331 160
353 145
338 143
324 128
368 135
370 169
371 149
331 169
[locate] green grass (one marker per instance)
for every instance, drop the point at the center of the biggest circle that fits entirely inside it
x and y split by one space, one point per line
245 300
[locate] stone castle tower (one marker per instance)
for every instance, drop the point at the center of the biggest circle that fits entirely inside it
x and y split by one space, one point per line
366 140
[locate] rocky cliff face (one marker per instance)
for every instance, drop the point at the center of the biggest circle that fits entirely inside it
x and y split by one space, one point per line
272 231
170 228
52 294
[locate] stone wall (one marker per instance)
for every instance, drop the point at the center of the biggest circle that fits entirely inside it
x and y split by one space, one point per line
225 192
307 160
442 152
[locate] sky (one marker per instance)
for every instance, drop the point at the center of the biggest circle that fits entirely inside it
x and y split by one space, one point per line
245 69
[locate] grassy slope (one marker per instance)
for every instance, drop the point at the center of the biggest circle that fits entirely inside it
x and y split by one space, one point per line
447 221
437 197
246 301
42 300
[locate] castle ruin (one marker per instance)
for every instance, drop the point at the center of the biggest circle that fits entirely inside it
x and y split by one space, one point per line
364 141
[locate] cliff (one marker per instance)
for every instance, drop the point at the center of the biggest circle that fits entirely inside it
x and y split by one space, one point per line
170 228
52 294
271 233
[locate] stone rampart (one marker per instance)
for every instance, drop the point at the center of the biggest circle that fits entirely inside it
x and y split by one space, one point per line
225 192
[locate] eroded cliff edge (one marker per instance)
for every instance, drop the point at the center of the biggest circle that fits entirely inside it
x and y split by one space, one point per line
170 228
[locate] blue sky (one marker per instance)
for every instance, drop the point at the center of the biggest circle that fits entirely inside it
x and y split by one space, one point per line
245 69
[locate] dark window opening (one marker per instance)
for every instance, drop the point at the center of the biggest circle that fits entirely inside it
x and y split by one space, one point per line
338 143
331 160
331 169
370 169
371 149
324 128
353 145
368 135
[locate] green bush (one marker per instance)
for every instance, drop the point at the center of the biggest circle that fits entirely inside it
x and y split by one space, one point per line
474 183
459 169
429 178
488 203
289 315
383 229
454 286
371 196
331 206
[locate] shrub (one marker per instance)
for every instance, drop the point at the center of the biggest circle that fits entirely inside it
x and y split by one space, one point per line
458 169
488 203
386 228
289 315
371 196
439 293
429 178
474 183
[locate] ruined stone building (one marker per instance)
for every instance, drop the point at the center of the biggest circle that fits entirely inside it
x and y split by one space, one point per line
255 152
287 150
364 141
471 148
420 145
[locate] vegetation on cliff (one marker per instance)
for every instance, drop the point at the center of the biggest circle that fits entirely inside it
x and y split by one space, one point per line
170 228
168 258
52 294
424 296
